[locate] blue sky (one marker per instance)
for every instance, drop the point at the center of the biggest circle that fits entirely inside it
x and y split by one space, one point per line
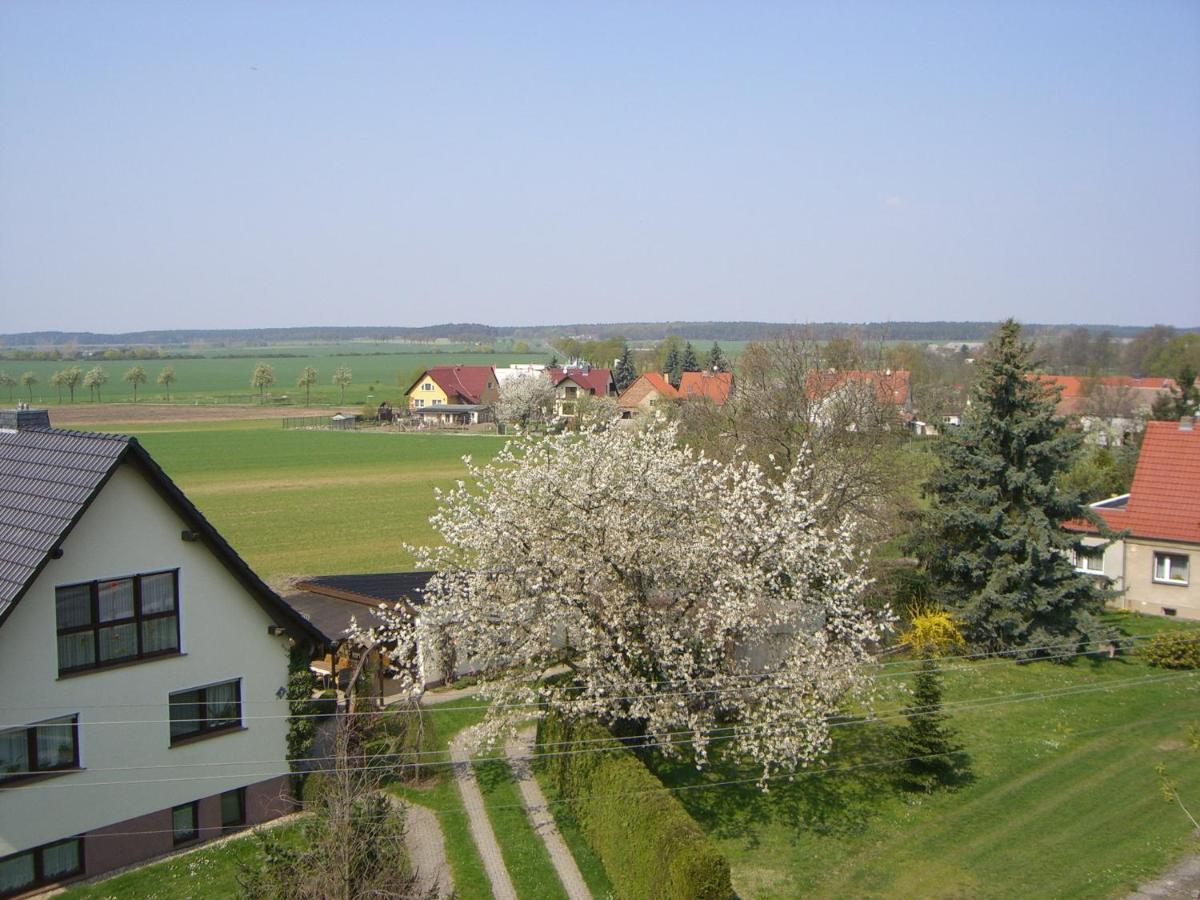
269 163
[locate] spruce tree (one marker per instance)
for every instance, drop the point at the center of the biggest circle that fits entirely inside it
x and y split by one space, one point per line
690 363
716 359
673 367
624 374
992 539
928 746
1182 399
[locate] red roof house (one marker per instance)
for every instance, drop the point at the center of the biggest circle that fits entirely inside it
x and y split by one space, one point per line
714 386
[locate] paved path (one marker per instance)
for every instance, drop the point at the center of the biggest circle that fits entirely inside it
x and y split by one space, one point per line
520 751
426 850
481 827
1181 883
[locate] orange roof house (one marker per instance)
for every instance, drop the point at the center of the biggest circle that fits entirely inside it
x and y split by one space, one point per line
714 386
891 385
1156 560
1075 391
646 393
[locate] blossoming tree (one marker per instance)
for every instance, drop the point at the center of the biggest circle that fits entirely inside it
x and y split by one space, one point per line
696 599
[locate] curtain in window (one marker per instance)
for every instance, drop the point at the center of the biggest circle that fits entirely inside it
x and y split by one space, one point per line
14 752
60 859
116 599
118 641
159 635
16 873
56 744
158 593
73 605
186 714
223 704
77 649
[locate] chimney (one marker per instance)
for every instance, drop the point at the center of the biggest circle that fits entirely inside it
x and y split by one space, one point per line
1186 423
24 419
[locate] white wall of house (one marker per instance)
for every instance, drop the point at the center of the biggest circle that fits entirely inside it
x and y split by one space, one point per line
128 530
1113 564
1148 594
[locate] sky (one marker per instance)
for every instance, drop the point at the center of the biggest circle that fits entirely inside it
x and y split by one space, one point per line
257 164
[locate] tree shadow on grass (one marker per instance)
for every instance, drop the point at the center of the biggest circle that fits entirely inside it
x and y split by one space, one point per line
837 797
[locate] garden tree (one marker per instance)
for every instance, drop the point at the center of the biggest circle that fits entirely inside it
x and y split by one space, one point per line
786 411
673 367
28 380
680 593
59 380
525 401
135 376
992 538
72 378
9 382
308 377
624 373
1099 472
342 377
94 379
1140 352
1182 400
595 410
262 378
166 378
717 361
842 354
689 363
1179 351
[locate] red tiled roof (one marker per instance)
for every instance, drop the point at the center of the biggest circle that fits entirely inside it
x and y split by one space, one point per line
661 384
467 382
597 380
1164 501
713 386
1073 398
891 385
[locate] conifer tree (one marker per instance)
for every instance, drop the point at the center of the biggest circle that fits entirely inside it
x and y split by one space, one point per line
716 359
673 367
1182 400
689 363
624 374
927 745
992 539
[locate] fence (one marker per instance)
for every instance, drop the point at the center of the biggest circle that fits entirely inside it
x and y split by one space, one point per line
319 423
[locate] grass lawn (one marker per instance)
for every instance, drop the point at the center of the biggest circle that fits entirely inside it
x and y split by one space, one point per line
1061 800
313 502
203 873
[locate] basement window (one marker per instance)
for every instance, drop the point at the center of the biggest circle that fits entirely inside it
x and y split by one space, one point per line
1171 568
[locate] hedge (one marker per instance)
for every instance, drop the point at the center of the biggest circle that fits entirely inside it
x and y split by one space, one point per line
650 846
1174 650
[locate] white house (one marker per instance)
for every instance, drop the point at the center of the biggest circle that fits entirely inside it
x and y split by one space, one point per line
142 663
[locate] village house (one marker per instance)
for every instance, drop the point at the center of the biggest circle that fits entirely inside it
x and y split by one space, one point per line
1109 409
1160 516
646 394
143 664
712 386
572 383
454 395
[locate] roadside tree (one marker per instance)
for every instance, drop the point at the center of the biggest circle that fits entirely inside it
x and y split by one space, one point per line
59 380
73 378
135 376
262 378
683 594
9 382
342 377
28 380
308 377
95 378
166 378
992 539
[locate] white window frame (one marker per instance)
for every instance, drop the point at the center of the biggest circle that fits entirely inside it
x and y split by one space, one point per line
427 386
1167 571
1082 556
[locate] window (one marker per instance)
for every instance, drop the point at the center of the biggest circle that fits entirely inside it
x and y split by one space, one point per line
104 623
1170 611
1171 568
233 808
41 865
571 392
50 746
206 710
1090 559
184 824
427 386
418 402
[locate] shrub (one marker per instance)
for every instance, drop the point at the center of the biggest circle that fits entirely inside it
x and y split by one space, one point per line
650 846
1174 650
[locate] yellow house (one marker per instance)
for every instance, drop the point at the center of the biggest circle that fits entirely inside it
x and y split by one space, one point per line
453 386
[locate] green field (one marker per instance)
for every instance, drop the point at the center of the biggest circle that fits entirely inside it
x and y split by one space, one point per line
312 502
220 380
1061 799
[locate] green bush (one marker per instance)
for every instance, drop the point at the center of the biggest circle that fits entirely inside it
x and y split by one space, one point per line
1174 650
313 787
650 846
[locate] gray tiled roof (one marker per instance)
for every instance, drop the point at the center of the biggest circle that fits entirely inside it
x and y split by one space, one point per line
47 478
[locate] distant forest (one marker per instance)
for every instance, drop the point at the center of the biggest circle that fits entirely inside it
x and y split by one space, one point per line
633 331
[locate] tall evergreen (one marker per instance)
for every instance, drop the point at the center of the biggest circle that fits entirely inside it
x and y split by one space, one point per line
690 363
930 750
992 539
716 359
624 374
673 367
